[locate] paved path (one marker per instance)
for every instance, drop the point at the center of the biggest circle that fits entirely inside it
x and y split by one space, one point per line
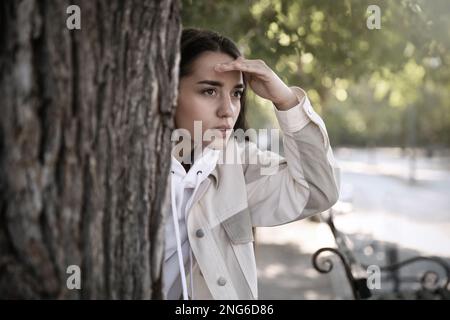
380 208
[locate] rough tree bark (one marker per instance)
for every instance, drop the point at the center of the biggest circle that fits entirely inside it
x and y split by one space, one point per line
85 126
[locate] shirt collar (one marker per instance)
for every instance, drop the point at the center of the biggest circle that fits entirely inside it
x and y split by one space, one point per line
231 146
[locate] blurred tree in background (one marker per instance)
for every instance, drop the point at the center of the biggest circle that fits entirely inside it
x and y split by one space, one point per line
373 87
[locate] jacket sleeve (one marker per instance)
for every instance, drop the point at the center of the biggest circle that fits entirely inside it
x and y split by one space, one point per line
303 182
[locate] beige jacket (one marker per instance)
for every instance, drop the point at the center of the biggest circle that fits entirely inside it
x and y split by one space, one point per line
273 191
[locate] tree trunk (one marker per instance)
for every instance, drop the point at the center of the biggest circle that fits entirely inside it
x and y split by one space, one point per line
86 117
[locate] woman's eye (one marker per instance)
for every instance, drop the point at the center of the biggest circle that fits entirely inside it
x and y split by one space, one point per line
209 92
238 94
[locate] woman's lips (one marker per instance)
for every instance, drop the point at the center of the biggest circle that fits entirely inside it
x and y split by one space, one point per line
223 131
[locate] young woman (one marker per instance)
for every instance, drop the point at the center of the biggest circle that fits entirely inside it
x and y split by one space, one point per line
215 204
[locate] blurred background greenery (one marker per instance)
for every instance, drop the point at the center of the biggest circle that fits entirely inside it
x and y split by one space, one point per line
386 87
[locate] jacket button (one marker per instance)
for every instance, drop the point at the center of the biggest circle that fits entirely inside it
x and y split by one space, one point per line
199 233
221 281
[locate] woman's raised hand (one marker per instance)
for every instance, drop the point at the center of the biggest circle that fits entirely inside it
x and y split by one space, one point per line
263 81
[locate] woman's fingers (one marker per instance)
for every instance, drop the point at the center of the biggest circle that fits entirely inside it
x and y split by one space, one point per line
256 67
239 64
263 81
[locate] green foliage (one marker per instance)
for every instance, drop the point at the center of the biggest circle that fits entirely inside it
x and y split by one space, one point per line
364 82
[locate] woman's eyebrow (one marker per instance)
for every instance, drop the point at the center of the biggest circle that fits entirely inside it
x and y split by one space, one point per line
219 84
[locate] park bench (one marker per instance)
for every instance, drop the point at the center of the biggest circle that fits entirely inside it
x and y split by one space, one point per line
429 284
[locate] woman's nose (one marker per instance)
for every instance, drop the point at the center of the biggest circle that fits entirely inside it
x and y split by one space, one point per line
226 108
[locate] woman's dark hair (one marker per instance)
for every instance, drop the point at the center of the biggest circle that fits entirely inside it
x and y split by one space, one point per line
196 41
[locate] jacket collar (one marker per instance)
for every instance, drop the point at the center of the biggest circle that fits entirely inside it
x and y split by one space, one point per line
215 175
227 159
229 194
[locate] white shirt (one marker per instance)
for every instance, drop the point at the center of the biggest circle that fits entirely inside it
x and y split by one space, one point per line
183 189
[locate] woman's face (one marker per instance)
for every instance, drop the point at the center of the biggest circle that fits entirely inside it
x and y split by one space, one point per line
213 98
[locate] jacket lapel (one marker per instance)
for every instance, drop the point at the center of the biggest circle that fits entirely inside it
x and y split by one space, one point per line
228 194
